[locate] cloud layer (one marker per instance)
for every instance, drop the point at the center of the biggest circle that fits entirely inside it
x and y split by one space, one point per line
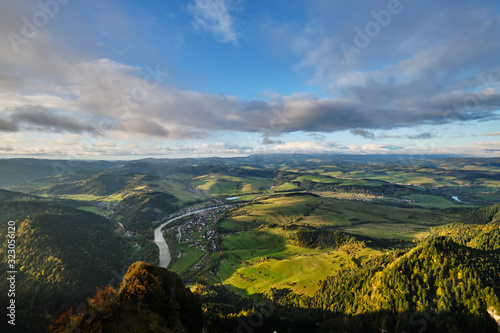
432 64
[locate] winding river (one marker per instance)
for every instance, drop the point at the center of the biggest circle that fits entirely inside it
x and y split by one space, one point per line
165 257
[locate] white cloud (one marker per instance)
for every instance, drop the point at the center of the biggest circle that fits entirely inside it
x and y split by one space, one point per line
491 134
81 147
214 16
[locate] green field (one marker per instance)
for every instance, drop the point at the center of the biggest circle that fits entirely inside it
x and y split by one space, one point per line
308 210
277 209
420 176
176 187
398 231
258 252
95 210
185 258
215 185
81 197
433 201
318 179
286 187
256 261
132 249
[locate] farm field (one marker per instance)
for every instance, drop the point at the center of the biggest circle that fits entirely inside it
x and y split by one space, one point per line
291 267
186 257
95 210
309 210
259 251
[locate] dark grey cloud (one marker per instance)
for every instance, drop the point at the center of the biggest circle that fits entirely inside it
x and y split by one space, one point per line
384 136
317 136
364 133
42 119
146 127
7 126
421 136
267 139
195 113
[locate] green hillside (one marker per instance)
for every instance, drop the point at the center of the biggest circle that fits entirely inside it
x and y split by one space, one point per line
453 283
20 170
440 286
141 208
295 240
62 255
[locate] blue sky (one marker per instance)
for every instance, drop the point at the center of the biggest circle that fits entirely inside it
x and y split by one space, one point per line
133 79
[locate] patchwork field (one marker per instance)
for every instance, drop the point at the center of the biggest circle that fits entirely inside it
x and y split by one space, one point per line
259 252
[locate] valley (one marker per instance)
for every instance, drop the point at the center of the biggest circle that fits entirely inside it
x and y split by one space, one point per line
261 228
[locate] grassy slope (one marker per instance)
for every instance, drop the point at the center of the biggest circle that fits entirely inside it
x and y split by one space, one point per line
188 257
257 261
255 232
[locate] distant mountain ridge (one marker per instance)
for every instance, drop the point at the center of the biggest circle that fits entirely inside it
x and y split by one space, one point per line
19 170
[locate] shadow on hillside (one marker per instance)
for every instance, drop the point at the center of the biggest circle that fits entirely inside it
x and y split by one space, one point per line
270 317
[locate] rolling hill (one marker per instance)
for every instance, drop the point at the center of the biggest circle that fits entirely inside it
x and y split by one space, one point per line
62 255
317 243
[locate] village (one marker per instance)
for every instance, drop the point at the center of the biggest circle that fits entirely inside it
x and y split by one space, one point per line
199 232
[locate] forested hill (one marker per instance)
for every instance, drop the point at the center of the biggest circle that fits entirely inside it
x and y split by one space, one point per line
485 214
150 299
139 209
19 170
14 205
62 255
440 286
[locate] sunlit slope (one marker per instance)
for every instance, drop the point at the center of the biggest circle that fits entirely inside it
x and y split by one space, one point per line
261 252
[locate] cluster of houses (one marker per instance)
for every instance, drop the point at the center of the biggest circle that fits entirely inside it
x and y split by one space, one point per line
194 208
199 232
106 206
420 186
396 199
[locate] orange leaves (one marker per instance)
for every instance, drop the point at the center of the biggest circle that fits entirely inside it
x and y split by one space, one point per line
60 324
103 297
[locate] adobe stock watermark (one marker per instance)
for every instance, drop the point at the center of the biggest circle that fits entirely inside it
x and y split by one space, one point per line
139 93
423 319
277 123
363 37
30 26
11 272
121 107
473 101
256 319
88 312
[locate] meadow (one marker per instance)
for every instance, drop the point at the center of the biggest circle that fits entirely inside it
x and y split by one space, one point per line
258 253
185 257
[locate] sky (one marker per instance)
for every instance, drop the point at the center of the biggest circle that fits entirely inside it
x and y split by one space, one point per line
130 79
